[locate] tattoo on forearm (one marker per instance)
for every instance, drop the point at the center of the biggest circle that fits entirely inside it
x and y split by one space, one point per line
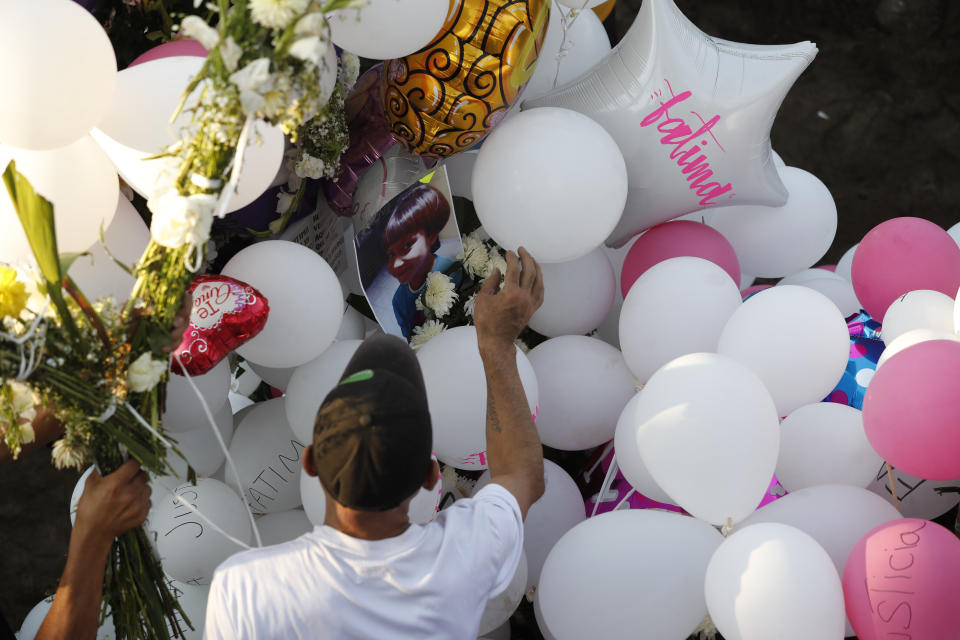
493 420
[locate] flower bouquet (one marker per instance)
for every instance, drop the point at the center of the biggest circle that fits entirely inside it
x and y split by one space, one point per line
99 368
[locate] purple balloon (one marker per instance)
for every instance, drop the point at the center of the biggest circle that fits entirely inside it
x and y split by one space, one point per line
370 138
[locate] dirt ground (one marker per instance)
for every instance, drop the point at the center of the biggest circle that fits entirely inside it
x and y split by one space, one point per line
875 117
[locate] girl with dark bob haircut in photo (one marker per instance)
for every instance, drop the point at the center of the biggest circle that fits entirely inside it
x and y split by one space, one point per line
410 237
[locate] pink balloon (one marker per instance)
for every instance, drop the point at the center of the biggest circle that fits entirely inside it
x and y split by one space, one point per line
911 410
828 267
901 255
902 580
749 291
185 47
675 239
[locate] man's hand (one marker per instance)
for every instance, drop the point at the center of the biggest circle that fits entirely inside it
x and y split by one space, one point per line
113 504
501 316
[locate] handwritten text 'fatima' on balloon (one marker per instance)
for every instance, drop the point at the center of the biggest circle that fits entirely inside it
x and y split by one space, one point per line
678 133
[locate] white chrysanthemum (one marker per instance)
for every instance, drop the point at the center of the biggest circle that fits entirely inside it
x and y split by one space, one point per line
179 220
440 294
469 305
145 373
310 167
67 455
196 28
250 80
310 49
474 256
496 262
426 332
276 14
230 51
312 24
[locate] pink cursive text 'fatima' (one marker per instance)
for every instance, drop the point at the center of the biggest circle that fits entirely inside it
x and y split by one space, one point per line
683 139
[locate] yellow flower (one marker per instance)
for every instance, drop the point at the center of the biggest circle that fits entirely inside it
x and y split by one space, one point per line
13 293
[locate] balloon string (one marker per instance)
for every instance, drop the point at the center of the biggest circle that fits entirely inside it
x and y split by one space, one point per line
893 488
566 23
210 522
223 446
625 498
607 481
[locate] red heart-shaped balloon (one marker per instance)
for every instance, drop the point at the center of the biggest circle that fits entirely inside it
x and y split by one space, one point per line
226 313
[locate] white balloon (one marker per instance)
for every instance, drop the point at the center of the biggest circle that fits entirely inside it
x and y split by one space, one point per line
774 581
351 326
501 607
460 172
629 458
577 295
267 456
277 528
306 302
310 384
920 309
278 378
313 498
691 116
385 29
916 497
201 446
193 599
238 403
794 338
676 307
746 281
425 503
845 264
523 191
606 577
558 510
56 87
137 125
910 338
777 160
581 4
457 395
954 232
77 492
837 288
584 384
79 181
189 548
836 516
824 443
587 44
184 410
772 242
35 617
707 431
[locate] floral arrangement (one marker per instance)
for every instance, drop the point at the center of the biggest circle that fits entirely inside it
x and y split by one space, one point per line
99 368
442 301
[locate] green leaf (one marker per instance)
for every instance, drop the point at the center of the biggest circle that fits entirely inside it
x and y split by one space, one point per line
67 259
36 217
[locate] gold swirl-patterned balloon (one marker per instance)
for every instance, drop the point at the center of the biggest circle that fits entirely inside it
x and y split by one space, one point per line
447 96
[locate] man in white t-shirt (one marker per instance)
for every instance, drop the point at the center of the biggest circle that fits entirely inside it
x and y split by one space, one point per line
367 572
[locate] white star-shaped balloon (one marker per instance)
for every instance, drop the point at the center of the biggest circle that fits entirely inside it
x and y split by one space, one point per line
691 114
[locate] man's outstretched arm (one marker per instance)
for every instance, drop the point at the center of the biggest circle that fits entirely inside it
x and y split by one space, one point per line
514 452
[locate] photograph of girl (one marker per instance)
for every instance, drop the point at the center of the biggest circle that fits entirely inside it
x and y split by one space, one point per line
413 234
